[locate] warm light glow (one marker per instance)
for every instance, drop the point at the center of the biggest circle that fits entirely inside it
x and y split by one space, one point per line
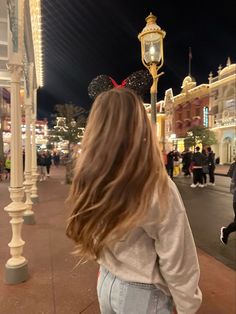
152 50
36 22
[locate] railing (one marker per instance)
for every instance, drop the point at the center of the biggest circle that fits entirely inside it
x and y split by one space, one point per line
225 118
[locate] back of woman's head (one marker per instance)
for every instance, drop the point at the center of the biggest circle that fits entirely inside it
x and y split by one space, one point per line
116 173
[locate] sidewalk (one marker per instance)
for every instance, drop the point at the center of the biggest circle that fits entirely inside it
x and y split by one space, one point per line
54 287
221 170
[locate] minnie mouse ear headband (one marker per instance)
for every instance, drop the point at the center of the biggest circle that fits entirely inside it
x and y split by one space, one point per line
139 81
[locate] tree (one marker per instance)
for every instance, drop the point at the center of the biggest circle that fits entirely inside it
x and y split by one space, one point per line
200 135
70 124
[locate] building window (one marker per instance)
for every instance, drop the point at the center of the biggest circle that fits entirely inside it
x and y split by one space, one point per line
206 117
3 31
197 112
230 105
188 115
179 116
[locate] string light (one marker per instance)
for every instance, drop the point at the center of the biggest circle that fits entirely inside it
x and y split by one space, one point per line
36 22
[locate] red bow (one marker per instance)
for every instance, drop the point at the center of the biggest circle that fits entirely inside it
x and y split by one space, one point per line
123 83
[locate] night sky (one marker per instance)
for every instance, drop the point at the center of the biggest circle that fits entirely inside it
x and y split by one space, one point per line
86 38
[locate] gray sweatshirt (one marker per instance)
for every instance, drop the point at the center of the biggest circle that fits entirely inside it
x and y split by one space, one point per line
162 253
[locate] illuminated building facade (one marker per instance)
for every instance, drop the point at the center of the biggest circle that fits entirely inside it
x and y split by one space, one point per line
188 109
211 105
41 131
222 90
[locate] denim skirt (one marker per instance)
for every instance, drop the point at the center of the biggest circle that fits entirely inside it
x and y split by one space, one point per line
121 297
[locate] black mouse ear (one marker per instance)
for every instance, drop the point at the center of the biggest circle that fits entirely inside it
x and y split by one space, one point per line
99 84
140 82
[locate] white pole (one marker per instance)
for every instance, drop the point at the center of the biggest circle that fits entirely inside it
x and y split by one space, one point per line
28 214
16 268
35 175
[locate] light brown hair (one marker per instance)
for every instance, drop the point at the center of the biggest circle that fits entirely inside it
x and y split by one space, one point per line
117 173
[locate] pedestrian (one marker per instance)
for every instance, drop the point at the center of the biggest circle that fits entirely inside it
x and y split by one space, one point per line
177 163
23 160
197 163
56 159
41 162
205 166
170 164
129 216
1 169
48 162
225 231
187 157
8 166
211 165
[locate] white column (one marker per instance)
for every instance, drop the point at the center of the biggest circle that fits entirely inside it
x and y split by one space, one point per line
35 175
29 218
16 266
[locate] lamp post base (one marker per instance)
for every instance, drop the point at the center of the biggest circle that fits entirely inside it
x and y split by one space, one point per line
29 219
15 275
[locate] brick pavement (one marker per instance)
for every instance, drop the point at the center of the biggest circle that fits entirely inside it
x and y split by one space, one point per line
55 287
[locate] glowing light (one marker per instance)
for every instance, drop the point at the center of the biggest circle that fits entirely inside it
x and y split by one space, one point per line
36 22
152 50
205 116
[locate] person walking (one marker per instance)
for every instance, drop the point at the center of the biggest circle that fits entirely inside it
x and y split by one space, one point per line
8 167
48 162
205 169
225 231
129 216
41 162
211 165
170 164
177 163
187 157
1 169
56 159
198 161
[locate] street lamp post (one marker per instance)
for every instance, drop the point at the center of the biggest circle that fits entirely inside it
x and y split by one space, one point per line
151 39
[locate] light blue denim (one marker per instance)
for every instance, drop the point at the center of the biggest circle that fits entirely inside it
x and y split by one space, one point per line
120 297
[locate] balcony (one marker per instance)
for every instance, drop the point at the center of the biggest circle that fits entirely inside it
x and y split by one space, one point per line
225 118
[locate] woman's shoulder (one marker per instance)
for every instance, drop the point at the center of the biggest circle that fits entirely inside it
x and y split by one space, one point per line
173 205
159 218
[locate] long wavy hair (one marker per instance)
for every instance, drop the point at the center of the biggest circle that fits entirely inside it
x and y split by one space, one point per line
117 173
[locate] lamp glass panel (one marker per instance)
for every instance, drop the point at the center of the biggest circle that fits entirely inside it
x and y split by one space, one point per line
152 48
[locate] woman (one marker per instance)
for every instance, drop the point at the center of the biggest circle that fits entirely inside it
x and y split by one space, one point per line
211 165
198 160
128 216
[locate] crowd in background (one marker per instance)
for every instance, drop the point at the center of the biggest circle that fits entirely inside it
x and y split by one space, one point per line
44 161
197 164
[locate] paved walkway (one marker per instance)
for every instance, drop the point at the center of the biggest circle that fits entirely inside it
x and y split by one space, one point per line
221 169
55 287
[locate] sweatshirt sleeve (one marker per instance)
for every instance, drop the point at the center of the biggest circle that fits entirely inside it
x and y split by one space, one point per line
177 254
